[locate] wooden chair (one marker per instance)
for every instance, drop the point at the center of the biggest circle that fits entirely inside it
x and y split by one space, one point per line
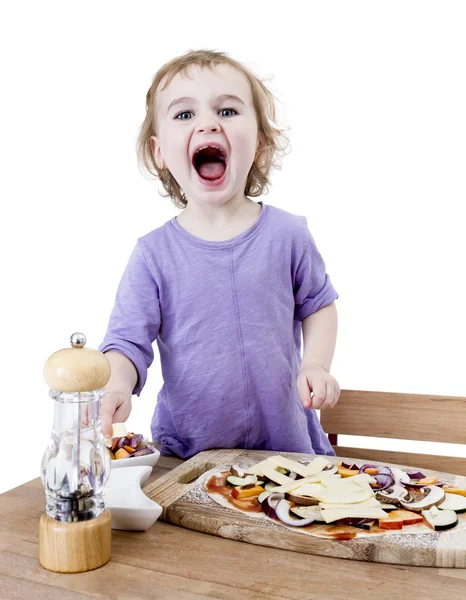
400 416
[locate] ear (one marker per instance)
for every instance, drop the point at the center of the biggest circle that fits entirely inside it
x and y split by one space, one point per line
157 151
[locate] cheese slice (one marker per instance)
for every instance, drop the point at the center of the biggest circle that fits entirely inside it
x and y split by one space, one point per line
118 430
308 489
335 496
257 468
291 465
370 502
347 488
274 475
317 465
313 468
298 483
363 479
333 514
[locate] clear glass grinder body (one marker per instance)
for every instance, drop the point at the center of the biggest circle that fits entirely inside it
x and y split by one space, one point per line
76 464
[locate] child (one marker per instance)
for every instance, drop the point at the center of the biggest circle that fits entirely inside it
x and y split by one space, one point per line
227 286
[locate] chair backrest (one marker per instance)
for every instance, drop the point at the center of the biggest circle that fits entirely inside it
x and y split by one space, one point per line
399 416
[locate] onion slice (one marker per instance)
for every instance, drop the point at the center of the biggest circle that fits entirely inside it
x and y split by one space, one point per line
283 513
415 474
270 503
381 469
384 481
353 467
422 485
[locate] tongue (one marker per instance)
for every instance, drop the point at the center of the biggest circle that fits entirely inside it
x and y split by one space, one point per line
211 170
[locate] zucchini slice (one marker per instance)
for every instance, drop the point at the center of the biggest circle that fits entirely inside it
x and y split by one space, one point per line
440 520
282 470
232 480
306 512
453 502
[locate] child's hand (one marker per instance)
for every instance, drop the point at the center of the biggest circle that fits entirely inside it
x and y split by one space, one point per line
115 407
325 388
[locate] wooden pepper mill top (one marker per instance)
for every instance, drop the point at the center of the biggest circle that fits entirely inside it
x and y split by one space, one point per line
77 369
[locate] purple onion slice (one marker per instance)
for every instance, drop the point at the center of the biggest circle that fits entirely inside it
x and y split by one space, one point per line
270 503
142 452
283 513
384 480
381 469
415 474
123 441
421 485
135 440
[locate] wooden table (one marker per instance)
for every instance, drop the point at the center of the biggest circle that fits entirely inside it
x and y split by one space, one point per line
169 562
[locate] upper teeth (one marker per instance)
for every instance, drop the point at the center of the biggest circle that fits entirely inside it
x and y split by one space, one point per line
209 146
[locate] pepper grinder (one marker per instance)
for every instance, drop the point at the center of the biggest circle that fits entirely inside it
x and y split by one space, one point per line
75 530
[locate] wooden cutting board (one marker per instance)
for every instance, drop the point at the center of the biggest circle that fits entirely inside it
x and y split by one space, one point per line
185 503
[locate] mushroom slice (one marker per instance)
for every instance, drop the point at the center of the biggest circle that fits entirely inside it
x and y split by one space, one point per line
434 495
238 471
393 495
302 500
400 476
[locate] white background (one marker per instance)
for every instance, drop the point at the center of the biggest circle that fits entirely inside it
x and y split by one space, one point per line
375 96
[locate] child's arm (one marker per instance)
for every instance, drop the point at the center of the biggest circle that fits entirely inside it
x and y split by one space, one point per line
124 375
319 336
133 326
115 406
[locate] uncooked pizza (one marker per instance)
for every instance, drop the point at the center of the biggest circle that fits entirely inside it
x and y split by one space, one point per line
342 501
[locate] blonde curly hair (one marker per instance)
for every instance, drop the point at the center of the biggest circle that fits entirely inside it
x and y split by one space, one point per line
274 144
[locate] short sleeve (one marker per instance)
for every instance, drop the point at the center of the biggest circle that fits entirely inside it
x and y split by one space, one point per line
312 286
135 319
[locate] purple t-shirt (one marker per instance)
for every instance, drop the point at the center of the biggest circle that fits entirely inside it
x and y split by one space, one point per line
227 317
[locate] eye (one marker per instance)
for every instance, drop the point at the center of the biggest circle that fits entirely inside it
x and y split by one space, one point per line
181 117
232 110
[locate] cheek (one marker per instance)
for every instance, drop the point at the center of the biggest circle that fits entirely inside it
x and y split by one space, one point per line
174 144
244 149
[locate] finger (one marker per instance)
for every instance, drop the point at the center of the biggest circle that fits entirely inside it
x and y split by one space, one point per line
304 391
330 401
337 393
108 409
320 394
122 413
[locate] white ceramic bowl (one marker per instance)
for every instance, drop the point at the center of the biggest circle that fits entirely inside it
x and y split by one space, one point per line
148 460
130 508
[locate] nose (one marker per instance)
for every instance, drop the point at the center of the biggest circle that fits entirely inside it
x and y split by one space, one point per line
208 125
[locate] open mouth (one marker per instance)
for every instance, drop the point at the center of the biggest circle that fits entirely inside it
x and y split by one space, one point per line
210 162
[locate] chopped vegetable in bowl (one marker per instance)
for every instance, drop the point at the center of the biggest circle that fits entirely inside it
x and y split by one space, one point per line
129 446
